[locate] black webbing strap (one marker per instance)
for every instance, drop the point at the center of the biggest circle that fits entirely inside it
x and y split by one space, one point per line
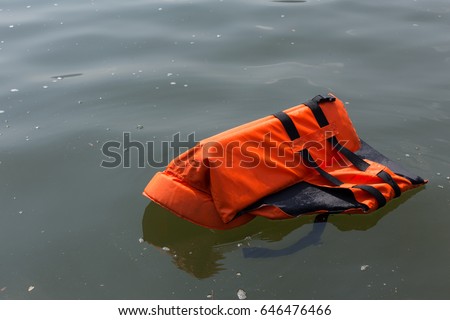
356 160
386 177
307 158
374 192
313 104
288 125
292 131
321 119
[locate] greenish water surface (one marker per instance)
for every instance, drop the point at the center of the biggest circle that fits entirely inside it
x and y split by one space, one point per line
76 74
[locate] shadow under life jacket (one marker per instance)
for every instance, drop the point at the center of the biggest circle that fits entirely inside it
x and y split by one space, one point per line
303 160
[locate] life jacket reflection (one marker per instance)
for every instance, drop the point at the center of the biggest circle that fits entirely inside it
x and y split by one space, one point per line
307 159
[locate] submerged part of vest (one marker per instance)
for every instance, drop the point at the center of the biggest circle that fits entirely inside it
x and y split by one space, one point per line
303 160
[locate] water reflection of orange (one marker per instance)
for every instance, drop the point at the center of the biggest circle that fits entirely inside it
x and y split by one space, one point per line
198 250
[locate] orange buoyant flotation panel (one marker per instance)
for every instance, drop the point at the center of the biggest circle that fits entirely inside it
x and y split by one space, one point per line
306 159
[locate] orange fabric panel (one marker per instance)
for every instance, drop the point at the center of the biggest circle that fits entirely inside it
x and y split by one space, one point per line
187 202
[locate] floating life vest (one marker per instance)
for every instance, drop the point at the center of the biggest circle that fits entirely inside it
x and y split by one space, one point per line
303 160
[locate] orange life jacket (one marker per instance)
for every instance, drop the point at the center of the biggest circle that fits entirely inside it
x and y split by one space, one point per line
303 160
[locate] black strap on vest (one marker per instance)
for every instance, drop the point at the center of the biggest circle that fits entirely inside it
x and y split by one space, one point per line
356 160
307 158
293 134
288 125
321 119
386 177
374 192
313 104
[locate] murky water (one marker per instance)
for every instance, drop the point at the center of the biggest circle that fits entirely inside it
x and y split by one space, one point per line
78 74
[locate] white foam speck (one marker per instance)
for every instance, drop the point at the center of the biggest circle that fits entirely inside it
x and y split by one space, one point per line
241 294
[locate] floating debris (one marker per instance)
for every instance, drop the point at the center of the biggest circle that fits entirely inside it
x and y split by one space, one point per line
448 178
139 126
166 248
63 76
238 274
3 289
242 295
290 1
30 288
264 27
2 111
173 83
438 173
14 90
141 240
364 267
211 295
407 155
441 186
